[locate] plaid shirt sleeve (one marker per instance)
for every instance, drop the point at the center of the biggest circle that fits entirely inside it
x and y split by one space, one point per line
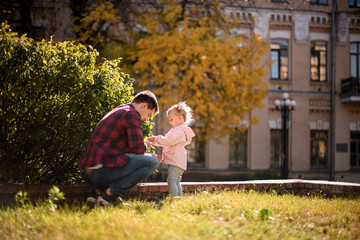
135 136
118 133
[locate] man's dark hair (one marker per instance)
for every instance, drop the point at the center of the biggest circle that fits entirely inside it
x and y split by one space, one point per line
149 98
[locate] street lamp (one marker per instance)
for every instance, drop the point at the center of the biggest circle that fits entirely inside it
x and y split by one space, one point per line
285 106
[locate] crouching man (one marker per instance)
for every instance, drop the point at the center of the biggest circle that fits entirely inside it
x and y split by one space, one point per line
115 159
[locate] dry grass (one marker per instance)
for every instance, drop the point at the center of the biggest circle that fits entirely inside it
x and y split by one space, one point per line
203 215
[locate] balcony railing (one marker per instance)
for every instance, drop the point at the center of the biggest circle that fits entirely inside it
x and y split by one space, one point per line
350 90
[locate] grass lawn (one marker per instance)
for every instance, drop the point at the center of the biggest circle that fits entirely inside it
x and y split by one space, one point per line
202 215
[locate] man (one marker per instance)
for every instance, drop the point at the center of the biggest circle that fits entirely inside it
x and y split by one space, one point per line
115 159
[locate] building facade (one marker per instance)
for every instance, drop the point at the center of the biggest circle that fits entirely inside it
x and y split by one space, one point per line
315 53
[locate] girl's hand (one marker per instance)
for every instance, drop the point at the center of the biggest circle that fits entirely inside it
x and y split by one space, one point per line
151 139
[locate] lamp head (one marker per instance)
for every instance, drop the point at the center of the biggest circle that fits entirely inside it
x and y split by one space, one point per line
277 103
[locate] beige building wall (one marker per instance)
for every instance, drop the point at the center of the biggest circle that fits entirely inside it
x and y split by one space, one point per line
300 135
217 155
258 140
342 133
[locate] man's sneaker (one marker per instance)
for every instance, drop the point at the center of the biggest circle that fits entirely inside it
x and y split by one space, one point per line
93 199
106 200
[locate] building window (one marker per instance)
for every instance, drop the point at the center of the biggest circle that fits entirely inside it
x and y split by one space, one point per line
275 148
321 2
280 60
318 61
196 153
238 150
355 149
355 59
354 3
319 149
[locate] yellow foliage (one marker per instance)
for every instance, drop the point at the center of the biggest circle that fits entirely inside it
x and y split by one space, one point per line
191 56
92 26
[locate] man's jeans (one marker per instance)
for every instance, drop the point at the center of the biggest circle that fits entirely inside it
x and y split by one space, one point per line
173 180
121 179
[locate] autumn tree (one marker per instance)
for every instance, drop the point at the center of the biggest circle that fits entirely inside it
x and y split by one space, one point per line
189 54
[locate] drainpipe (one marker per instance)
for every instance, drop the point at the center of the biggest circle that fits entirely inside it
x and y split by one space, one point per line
333 42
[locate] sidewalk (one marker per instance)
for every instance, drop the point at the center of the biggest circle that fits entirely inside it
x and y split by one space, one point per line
78 193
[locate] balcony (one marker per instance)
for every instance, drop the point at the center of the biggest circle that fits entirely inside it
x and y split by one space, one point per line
350 90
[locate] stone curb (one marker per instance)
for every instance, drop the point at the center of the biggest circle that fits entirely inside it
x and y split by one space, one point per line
78 193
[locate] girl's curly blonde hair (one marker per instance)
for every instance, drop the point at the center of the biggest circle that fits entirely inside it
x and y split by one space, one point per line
182 109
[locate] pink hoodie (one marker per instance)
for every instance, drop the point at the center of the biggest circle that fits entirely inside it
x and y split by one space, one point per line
174 142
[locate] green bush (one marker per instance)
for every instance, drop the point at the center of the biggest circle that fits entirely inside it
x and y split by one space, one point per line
51 97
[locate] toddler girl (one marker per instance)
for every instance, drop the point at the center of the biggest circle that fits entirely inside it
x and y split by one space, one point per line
173 143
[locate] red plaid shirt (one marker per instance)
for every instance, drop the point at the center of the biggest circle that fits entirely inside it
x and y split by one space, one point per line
118 133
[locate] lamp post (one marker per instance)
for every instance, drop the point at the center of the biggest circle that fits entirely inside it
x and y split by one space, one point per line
285 106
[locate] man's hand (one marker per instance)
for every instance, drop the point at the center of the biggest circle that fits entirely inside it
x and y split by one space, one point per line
148 144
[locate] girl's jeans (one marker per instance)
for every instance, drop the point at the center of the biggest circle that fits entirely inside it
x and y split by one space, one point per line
173 180
120 179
